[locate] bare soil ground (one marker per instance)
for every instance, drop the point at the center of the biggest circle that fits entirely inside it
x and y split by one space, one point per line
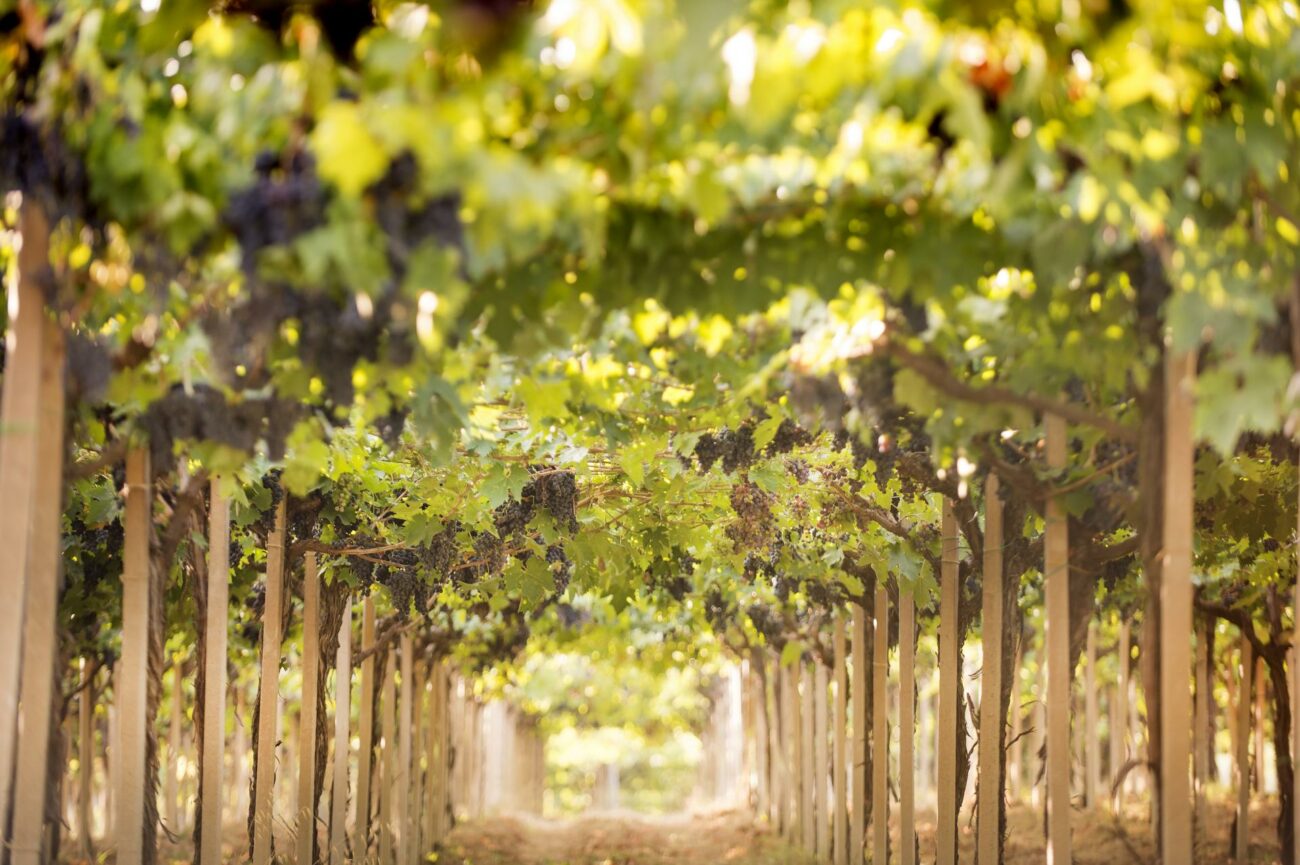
1100 838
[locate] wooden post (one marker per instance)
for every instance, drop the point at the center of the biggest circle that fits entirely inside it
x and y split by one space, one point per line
807 760
880 729
990 739
366 724
402 777
134 670
342 736
821 759
19 455
85 760
1091 741
858 772
1056 637
40 625
1242 846
762 759
1260 767
439 738
949 691
239 779
216 624
1203 742
1176 610
1122 703
778 736
840 762
268 709
906 732
793 748
388 764
307 711
171 792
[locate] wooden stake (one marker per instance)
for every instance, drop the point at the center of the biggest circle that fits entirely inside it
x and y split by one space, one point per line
794 749
342 739
1242 846
19 456
858 771
269 709
880 729
821 759
134 670
990 740
840 763
40 626
388 770
402 776
1122 703
214 674
1203 742
366 724
906 731
762 761
85 760
1176 611
807 760
1091 741
949 691
307 711
778 737
1056 637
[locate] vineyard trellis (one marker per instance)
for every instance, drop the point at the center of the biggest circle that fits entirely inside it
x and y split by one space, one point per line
919 380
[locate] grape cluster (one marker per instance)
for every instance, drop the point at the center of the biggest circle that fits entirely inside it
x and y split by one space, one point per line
561 566
557 492
716 610
37 161
100 552
754 521
823 596
303 517
405 589
797 469
285 201
489 555
789 435
511 517
767 623
440 554
204 414
409 218
271 482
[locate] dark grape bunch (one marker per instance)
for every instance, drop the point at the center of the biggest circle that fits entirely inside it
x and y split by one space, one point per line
440 555
99 553
560 565
754 521
557 492
285 200
717 611
271 482
405 590
767 623
489 556
204 414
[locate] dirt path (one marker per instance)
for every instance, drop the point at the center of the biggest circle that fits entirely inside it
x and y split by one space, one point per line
620 839
732 837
